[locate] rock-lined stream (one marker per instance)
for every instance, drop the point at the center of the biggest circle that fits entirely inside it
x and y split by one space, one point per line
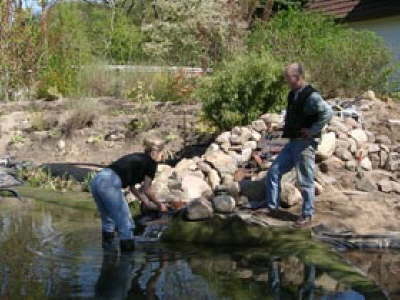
52 252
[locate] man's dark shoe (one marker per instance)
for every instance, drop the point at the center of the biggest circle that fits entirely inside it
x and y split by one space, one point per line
303 222
108 240
127 245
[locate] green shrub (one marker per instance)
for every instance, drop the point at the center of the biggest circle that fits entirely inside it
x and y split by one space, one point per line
241 89
339 60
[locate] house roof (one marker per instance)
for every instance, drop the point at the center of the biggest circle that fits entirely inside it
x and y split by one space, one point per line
354 10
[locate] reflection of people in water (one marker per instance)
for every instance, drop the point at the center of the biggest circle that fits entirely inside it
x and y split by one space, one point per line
307 289
130 277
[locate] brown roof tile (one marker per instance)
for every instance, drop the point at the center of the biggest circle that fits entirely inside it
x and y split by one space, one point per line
353 10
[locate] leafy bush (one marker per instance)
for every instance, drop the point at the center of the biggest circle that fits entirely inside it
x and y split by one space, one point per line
241 89
193 32
339 59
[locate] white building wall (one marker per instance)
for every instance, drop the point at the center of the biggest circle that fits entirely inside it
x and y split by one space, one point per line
389 29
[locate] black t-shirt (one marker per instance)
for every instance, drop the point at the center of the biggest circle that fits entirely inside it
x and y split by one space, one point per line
132 168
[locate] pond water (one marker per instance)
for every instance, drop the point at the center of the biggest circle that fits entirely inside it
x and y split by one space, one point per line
51 252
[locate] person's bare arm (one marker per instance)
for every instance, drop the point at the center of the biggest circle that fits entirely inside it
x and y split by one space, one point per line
148 192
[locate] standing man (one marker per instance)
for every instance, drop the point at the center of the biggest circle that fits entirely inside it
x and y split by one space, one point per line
306 115
107 187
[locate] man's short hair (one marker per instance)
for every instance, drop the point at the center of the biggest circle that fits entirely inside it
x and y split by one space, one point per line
297 67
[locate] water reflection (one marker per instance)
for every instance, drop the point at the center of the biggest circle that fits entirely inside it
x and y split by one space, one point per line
51 253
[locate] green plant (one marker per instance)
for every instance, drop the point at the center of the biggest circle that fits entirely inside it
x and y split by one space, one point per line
17 139
40 178
339 60
86 182
241 89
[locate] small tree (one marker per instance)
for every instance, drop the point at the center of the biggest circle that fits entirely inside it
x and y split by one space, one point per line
241 89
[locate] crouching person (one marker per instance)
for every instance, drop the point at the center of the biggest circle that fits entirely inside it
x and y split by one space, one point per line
306 115
107 187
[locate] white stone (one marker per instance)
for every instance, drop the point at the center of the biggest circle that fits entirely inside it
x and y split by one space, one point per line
359 136
366 164
327 145
223 138
372 148
61 145
224 163
255 136
259 125
195 187
250 144
213 179
246 155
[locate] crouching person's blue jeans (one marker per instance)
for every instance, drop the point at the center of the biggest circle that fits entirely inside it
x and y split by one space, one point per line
114 210
298 154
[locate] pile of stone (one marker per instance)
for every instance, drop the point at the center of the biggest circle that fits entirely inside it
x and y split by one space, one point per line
347 150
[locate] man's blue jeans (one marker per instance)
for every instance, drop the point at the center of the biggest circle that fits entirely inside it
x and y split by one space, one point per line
298 154
114 210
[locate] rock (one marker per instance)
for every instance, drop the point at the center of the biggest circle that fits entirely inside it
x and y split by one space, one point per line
351 165
225 164
393 162
224 204
253 190
236 139
319 189
213 179
375 159
359 136
396 187
185 166
366 164
7 180
204 167
199 209
223 138
353 146
259 125
271 119
366 184
331 164
290 195
385 186
372 148
250 144
255 136
242 201
327 146
61 145
343 154
344 144
195 187
246 155
369 95
383 139
371 136
115 137
350 122
383 158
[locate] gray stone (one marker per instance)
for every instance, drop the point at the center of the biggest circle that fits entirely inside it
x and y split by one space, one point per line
383 158
366 184
343 154
385 186
383 139
7 180
236 139
199 209
393 162
224 204
344 144
372 148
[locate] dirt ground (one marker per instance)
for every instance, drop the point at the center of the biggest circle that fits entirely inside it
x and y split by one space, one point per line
97 130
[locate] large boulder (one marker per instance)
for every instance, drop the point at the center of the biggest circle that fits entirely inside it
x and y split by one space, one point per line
223 163
290 195
199 209
360 136
327 146
195 187
224 204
